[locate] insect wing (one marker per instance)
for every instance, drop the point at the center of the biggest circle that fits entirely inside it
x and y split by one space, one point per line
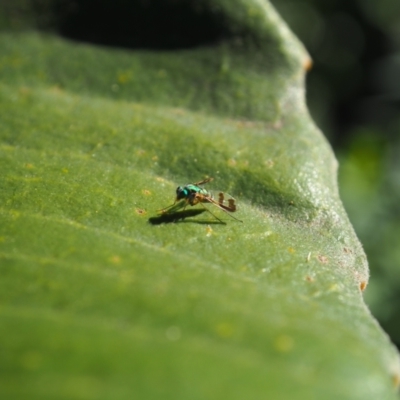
223 200
225 209
204 181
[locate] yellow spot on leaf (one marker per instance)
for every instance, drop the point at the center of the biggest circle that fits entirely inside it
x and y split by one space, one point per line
334 288
31 360
284 343
224 330
323 259
307 64
363 285
124 77
115 259
15 214
396 381
269 163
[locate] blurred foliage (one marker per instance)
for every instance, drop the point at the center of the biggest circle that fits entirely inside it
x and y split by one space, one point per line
370 188
354 95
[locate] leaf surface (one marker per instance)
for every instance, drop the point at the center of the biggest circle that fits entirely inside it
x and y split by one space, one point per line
97 302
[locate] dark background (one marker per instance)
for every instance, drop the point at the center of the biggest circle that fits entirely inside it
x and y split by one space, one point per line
353 92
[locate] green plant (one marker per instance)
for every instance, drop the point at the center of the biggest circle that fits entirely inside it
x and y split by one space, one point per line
96 302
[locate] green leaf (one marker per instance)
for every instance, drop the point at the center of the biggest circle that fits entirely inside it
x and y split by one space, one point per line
96 302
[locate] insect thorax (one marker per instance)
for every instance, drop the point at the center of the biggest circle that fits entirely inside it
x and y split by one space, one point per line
189 191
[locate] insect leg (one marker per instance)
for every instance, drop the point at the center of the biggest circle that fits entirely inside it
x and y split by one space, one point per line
211 213
173 207
165 209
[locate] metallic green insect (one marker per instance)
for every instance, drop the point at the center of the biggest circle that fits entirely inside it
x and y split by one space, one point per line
193 194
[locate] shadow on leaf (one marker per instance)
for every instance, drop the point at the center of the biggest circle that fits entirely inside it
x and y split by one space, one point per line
179 216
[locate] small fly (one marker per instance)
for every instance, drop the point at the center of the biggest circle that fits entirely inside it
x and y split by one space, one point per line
193 193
